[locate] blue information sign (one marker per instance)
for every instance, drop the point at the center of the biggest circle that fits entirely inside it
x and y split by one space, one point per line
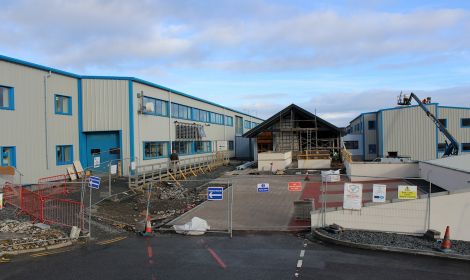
215 193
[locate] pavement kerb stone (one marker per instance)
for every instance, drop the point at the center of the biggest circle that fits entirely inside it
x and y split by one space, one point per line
35 250
331 240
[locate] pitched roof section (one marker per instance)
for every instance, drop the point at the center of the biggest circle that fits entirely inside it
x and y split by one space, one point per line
267 123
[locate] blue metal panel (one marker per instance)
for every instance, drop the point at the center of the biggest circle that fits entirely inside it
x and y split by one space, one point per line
131 120
102 144
81 136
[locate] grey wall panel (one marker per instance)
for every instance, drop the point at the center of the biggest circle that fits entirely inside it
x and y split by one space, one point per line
370 136
454 116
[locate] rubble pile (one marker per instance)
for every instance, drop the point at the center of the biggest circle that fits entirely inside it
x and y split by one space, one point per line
171 191
26 235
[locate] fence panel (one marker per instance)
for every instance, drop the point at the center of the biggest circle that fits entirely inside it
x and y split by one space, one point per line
53 185
12 194
64 212
32 204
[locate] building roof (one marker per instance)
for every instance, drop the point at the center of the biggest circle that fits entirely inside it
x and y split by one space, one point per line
76 76
459 163
269 122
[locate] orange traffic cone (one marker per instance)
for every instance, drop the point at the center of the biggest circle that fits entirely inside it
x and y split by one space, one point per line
446 244
148 227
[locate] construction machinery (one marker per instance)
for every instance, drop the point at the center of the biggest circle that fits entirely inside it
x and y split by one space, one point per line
451 148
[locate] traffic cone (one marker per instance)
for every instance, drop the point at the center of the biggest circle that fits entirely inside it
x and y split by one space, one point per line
446 244
148 227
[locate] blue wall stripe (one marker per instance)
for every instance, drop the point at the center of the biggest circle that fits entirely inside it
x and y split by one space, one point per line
81 135
131 120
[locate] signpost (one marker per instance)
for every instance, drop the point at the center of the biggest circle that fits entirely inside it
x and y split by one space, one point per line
295 186
215 193
262 188
352 196
379 193
407 192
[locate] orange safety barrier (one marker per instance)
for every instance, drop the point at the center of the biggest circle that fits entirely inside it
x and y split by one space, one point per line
52 185
12 194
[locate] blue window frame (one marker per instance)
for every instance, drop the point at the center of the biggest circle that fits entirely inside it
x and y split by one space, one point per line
202 147
372 148
216 118
183 147
8 156
371 125
465 147
62 105
443 122
155 149
7 98
247 124
153 106
229 121
64 154
230 145
465 122
180 111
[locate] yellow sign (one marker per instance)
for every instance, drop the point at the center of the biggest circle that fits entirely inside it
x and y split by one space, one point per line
1 201
407 192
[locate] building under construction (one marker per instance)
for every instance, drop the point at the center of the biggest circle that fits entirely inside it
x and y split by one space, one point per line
298 131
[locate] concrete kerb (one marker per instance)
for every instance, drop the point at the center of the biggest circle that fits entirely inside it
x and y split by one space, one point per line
35 250
331 240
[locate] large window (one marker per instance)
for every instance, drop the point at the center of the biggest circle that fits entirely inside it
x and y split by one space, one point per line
153 106
6 98
247 124
238 125
372 149
200 115
465 147
64 154
180 111
229 121
371 125
202 146
182 147
153 150
351 145
465 122
63 104
217 118
230 145
443 122
8 156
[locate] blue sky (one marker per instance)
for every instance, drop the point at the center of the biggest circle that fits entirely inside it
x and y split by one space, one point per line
338 57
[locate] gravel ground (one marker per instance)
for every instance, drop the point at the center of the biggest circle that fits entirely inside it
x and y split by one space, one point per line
397 240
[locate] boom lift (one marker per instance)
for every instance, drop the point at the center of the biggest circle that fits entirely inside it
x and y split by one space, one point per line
451 148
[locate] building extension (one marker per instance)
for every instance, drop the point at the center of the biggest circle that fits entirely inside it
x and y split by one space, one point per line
406 132
50 117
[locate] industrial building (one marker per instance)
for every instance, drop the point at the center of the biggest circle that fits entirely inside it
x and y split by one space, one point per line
51 118
407 132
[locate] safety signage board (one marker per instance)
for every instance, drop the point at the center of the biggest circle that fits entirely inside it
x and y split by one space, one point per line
113 169
352 196
94 182
295 186
407 192
379 193
215 193
263 187
96 162
1 201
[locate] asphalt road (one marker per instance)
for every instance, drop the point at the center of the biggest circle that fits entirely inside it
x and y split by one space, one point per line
246 256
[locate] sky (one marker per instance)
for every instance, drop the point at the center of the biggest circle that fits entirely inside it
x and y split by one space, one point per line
338 58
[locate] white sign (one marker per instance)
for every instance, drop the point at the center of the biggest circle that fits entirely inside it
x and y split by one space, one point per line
352 196
1 201
113 169
263 187
96 162
379 193
330 176
133 165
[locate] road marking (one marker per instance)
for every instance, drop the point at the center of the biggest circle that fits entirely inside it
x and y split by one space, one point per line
4 260
299 263
105 242
49 253
302 253
217 258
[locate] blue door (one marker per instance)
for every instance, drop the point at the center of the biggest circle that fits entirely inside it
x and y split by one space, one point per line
105 145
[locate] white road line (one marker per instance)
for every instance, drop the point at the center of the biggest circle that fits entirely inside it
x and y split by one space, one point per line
299 263
302 253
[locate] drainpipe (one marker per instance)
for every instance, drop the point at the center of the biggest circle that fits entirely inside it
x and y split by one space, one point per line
45 118
169 121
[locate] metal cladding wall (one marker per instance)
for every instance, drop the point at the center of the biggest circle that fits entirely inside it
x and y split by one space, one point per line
410 132
24 127
370 135
106 108
454 116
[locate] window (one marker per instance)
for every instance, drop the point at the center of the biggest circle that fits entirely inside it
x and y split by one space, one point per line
8 156
465 122
63 105
152 106
180 111
230 145
182 147
7 98
443 122
202 147
351 145
200 115
64 154
247 125
238 125
465 147
253 125
229 121
441 147
371 125
153 150
372 149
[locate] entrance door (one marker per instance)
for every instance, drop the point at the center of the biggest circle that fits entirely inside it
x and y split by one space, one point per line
105 145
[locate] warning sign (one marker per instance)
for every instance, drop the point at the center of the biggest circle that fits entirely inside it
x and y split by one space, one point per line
407 192
379 193
295 186
352 196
